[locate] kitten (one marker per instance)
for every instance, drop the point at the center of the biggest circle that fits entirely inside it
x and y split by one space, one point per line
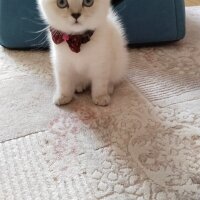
87 48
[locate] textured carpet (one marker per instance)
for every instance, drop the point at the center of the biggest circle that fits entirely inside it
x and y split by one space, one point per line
144 146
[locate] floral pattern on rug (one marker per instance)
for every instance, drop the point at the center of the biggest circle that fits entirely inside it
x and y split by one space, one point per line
126 152
169 74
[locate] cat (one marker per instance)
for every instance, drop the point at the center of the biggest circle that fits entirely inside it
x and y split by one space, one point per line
88 48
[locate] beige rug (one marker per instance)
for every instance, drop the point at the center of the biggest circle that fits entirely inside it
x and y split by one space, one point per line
144 146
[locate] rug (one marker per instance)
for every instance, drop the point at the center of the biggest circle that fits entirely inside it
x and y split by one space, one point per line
144 146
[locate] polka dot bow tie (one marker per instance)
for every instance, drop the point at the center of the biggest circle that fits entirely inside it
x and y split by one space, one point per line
74 41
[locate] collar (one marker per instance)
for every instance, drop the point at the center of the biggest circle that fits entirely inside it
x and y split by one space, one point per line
74 41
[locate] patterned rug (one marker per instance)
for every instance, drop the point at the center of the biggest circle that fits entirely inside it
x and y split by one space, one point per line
144 146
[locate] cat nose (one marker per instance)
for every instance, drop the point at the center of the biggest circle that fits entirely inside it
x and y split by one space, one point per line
76 15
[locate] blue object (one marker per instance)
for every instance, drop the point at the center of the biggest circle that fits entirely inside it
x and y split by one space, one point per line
152 21
145 22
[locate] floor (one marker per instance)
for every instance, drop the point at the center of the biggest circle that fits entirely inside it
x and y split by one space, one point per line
192 2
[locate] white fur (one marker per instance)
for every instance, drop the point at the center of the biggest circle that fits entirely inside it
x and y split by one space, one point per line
102 61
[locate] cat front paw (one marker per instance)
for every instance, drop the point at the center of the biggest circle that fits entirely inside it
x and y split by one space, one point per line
60 99
102 100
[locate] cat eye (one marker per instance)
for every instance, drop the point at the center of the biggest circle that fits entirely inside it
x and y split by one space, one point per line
88 3
62 3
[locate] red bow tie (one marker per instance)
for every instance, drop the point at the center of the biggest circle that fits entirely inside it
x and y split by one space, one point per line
74 41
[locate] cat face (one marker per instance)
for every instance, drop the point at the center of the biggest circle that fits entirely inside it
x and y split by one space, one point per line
73 16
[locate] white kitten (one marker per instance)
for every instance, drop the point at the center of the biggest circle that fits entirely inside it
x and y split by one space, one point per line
101 62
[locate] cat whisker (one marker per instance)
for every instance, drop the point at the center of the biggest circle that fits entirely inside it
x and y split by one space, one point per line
35 38
42 30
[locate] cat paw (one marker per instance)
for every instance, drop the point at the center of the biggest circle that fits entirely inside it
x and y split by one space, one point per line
61 99
81 87
103 100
